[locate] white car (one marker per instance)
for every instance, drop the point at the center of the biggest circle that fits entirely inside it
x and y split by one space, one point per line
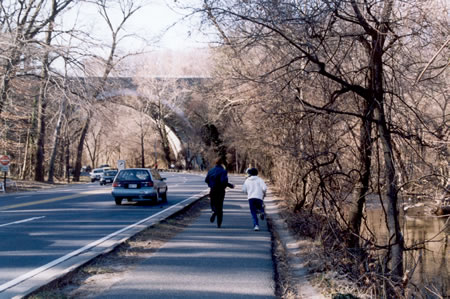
96 174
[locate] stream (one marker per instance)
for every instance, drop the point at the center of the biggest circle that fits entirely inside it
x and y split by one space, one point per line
430 264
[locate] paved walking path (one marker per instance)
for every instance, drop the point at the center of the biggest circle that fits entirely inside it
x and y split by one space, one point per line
204 261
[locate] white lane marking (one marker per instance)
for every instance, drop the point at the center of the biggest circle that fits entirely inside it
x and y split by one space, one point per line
22 221
23 196
47 210
36 271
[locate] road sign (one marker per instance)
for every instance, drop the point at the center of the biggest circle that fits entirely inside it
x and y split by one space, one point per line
4 160
121 164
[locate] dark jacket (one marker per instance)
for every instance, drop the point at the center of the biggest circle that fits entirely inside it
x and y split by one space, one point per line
217 178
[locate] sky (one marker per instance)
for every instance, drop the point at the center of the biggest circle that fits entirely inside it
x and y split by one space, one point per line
178 47
148 22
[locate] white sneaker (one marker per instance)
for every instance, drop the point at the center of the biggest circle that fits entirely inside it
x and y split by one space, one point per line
256 228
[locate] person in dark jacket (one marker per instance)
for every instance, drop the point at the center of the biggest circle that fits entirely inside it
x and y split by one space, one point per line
217 180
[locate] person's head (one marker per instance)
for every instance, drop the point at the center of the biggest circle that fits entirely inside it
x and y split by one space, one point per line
252 172
218 161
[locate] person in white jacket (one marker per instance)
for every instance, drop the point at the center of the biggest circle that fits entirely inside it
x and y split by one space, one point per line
256 189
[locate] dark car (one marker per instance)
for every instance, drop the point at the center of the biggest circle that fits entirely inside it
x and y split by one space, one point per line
139 184
107 176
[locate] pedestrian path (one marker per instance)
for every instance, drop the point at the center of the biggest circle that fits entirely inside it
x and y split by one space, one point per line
204 261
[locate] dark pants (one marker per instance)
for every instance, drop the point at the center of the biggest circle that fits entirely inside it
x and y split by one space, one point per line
256 205
217 197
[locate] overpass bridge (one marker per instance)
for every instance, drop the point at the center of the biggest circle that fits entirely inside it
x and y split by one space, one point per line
129 92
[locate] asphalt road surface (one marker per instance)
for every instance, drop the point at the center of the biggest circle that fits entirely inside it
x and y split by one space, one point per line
204 261
39 229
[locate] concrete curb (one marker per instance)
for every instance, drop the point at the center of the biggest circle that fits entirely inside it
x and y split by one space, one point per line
299 271
31 281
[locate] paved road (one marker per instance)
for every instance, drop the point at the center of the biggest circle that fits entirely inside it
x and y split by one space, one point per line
207 262
38 229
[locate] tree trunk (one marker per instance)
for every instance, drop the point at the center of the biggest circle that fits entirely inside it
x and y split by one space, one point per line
142 151
375 49
33 136
93 152
4 87
396 240
61 158
25 156
40 146
361 189
67 155
77 169
56 139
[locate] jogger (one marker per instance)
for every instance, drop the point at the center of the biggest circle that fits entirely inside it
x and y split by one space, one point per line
217 180
256 190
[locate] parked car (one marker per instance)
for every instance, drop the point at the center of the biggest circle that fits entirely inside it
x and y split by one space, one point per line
108 176
139 184
104 166
96 173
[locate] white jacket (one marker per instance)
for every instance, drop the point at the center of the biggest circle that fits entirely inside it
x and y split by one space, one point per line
255 187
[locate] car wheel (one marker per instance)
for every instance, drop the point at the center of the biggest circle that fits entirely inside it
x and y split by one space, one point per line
92 180
118 200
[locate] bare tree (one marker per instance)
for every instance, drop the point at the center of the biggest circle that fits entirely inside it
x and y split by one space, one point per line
336 58
21 23
127 10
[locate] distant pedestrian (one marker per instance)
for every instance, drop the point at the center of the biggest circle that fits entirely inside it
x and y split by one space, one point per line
217 180
256 189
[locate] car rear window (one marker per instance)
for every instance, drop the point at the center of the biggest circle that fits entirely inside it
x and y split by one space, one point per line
111 173
134 175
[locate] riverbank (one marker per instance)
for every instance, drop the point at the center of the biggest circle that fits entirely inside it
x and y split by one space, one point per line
337 270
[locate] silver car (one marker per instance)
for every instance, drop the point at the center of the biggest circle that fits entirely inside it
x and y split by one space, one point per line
139 184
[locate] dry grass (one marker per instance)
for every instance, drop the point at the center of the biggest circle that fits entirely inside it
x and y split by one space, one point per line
27 185
321 263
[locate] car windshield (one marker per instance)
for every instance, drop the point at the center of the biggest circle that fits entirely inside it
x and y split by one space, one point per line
98 170
133 175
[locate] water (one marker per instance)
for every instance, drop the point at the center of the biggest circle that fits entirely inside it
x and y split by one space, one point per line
430 265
